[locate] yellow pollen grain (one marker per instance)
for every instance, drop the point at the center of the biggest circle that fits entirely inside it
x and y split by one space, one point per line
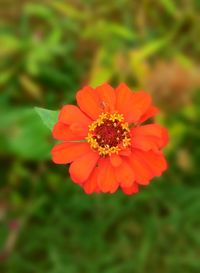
113 150
126 141
92 126
102 151
89 137
100 122
125 126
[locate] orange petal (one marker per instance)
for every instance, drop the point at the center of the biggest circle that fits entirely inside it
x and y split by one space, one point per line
131 190
123 100
149 137
126 152
62 131
89 102
142 173
91 184
71 114
155 162
141 102
106 176
67 152
107 97
115 160
152 111
132 105
82 167
124 174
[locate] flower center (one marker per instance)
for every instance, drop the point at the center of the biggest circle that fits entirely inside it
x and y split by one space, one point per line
109 134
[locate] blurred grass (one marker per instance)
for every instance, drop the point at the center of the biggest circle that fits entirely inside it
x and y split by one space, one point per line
49 50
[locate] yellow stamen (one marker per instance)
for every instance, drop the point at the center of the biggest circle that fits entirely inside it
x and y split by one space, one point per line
96 141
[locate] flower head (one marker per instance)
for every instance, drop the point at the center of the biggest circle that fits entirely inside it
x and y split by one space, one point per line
105 143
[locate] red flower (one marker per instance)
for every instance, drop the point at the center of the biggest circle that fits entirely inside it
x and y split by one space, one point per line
104 140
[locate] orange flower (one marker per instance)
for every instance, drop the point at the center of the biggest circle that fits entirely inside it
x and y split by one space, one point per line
106 144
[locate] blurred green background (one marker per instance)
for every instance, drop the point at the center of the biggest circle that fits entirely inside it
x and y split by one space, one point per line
49 50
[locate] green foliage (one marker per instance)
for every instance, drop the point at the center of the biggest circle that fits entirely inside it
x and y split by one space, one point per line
48 117
170 7
23 134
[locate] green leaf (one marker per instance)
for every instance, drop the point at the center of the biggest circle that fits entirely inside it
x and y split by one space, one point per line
49 117
23 134
170 7
9 45
68 10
